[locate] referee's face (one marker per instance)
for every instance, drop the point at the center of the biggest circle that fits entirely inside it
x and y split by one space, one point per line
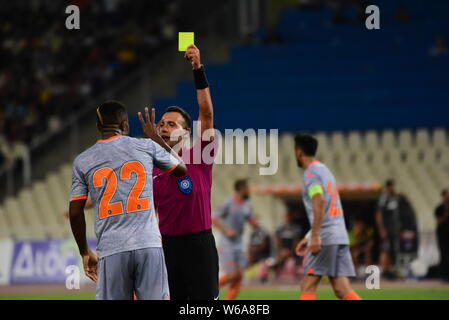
172 128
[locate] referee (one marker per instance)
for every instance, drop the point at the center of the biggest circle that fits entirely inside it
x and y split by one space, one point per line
183 203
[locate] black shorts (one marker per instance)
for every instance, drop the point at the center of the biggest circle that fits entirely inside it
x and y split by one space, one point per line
192 266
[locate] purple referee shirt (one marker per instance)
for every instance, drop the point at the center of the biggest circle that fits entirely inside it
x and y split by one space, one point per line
183 203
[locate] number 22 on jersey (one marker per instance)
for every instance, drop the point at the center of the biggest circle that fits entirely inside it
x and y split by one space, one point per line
134 202
334 209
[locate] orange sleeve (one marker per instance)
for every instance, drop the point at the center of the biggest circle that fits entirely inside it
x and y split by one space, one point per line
79 198
171 169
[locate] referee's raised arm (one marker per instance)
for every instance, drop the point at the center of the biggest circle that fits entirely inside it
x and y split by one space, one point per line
206 110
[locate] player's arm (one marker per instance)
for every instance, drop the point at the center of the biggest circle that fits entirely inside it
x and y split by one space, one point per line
89 204
253 222
219 224
149 130
302 245
251 219
379 217
78 226
380 224
206 111
318 204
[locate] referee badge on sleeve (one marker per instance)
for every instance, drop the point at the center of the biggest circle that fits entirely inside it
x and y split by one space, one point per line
185 185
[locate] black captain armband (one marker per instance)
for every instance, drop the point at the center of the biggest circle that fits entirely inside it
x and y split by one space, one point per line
200 78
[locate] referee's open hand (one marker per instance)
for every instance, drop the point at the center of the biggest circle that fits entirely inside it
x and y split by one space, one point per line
149 126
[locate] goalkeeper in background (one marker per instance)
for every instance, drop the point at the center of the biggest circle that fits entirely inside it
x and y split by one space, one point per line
326 247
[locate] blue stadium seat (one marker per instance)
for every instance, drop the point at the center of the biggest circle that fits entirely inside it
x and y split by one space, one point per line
326 77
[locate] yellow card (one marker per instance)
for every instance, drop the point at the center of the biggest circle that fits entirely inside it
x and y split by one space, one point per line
185 40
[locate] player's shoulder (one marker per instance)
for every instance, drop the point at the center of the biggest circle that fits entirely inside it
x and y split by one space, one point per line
139 143
248 203
133 140
317 170
84 156
313 169
228 200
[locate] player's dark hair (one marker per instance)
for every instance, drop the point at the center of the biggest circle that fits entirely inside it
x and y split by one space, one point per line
239 184
185 115
307 144
390 183
111 112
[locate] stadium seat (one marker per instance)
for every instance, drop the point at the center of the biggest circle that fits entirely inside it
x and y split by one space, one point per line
388 140
338 141
439 138
405 139
422 138
355 141
33 219
371 141
416 160
5 228
50 216
20 229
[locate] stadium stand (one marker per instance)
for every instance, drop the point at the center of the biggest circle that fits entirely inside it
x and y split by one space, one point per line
319 76
49 72
336 69
314 81
356 158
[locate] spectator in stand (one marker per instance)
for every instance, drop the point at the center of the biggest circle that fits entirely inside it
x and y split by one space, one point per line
440 47
273 37
48 72
340 17
402 15
442 216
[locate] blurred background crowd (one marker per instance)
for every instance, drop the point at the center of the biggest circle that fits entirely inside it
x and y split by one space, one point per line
47 72
379 95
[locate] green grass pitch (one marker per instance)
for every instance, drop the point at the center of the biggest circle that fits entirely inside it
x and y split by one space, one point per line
270 294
